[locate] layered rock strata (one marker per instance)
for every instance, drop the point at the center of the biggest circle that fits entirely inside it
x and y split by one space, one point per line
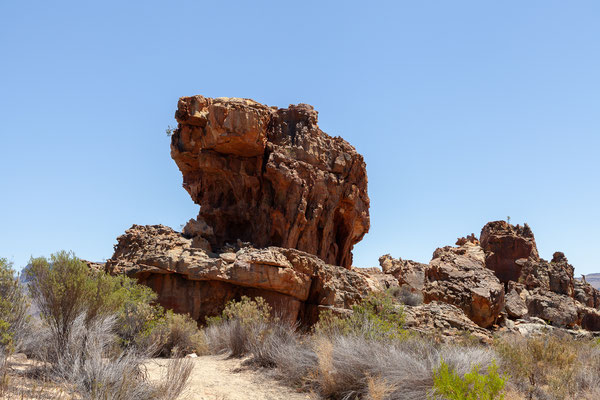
194 281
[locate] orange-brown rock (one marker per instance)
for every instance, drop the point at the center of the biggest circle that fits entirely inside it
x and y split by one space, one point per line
457 275
407 272
506 248
442 320
271 177
191 280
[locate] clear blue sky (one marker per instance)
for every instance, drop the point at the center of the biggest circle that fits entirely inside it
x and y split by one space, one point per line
465 112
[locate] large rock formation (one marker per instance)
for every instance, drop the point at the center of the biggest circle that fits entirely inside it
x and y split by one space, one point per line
271 177
191 280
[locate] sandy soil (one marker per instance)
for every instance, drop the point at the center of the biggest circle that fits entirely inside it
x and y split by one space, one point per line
221 378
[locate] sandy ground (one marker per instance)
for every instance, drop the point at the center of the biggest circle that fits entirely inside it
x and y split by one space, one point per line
222 378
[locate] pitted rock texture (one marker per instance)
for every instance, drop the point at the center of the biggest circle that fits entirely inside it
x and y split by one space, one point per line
445 320
506 248
407 272
457 276
193 281
271 177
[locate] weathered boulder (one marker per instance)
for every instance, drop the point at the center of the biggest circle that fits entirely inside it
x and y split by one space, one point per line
586 294
559 310
191 280
382 280
556 275
506 248
443 320
516 305
271 177
457 276
407 272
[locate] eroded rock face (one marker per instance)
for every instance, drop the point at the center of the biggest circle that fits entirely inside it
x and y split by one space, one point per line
457 276
407 272
271 177
192 280
506 248
446 320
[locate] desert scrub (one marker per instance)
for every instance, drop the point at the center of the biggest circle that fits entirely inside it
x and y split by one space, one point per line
472 386
177 335
550 366
240 324
65 288
248 311
376 317
14 306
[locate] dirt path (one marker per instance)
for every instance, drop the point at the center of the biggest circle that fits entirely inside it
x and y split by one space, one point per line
221 378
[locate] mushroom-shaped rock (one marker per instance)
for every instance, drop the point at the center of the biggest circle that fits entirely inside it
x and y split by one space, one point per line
271 177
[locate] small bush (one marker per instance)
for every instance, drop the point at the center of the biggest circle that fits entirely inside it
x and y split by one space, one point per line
248 311
14 308
178 335
240 323
86 367
405 295
543 364
473 386
375 318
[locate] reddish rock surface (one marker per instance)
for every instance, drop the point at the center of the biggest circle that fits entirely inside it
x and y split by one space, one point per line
504 246
444 320
407 272
457 276
191 280
271 177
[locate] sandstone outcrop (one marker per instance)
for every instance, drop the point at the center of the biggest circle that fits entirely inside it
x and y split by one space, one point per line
407 272
443 320
191 280
506 248
457 276
500 278
271 177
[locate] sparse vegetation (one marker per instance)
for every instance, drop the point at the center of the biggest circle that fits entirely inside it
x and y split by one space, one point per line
377 317
472 386
96 331
94 334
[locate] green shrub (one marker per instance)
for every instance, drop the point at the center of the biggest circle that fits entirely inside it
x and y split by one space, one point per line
473 386
13 307
377 317
248 311
64 288
178 334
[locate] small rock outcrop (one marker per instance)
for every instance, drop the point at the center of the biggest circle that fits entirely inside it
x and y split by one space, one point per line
191 280
506 248
444 320
271 177
457 276
407 272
